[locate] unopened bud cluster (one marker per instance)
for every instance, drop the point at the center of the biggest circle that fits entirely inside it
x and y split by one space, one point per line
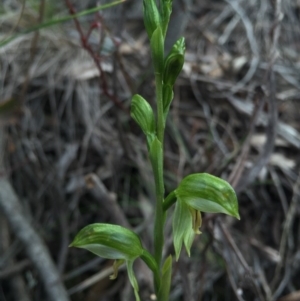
156 21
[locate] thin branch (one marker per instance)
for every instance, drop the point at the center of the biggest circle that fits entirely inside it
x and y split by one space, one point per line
252 42
273 114
33 244
238 169
286 230
85 44
38 253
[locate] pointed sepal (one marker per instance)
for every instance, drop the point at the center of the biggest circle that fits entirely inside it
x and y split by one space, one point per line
182 228
132 279
174 62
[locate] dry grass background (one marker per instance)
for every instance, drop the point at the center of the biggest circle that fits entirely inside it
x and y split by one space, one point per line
71 155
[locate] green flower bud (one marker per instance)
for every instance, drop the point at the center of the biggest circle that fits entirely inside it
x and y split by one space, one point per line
165 15
109 241
157 50
174 62
151 16
142 113
112 242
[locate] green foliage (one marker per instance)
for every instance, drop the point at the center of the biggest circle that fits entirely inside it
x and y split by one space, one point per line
183 232
157 49
174 62
207 193
109 241
156 158
199 193
196 193
151 16
166 10
118 243
167 99
112 242
142 113
166 272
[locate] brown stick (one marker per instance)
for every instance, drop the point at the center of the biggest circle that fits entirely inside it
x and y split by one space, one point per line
33 244
85 45
38 253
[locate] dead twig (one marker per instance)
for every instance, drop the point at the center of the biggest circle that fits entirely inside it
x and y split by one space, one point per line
242 260
286 230
93 279
252 42
85 44
240 164
38 253
15 269
108 200
33 244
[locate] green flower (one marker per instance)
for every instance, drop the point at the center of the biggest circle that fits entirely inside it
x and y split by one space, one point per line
112 242
195 194
183 227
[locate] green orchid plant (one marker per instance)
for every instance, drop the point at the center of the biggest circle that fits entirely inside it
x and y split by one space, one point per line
196 193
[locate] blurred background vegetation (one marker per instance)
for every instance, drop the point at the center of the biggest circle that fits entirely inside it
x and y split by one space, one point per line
70 154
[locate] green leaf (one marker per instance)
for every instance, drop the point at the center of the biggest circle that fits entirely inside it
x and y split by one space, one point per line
208 193
142 113
174 62
182 228
151 16
157 50
163 294
109 241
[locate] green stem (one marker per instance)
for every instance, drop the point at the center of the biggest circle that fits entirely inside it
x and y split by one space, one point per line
169 201
159 214
151 263
160 108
